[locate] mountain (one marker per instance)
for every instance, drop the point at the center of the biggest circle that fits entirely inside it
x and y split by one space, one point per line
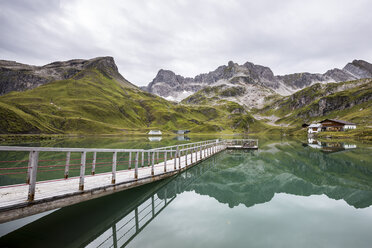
19 77
95 98
252 82
351 101
91 96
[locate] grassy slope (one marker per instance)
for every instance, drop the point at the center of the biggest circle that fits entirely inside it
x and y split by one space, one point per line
303 105
94 103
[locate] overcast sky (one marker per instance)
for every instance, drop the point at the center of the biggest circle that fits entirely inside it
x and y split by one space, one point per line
188 36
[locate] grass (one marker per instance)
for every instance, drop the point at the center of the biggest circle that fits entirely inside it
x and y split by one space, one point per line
92 103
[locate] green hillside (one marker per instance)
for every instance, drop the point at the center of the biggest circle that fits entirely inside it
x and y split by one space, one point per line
350 101
94 102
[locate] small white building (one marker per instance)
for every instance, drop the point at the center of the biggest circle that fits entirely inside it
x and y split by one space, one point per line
349 126
314 128
155 132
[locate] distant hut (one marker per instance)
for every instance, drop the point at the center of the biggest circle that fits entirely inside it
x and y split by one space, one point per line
155 132
314 128
336 125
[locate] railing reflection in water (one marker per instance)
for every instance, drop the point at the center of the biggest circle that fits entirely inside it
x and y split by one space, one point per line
126 228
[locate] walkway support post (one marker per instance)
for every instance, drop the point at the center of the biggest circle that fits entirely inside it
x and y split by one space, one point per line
82 170
113 179
34 158
67 167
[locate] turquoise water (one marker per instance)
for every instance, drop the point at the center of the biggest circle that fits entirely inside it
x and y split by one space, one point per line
286 194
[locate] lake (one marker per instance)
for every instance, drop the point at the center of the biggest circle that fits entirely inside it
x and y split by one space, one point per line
288 193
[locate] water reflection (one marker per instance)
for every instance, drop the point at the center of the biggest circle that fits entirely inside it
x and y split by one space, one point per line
330 146
111 221
181 138
287 170
155 138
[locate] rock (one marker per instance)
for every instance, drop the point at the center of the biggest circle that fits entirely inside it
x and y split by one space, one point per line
359 69
19 77
258 81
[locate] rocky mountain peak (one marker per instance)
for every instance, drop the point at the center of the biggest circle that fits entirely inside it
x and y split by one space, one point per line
359 69
165 76
15 76
231 64
258 78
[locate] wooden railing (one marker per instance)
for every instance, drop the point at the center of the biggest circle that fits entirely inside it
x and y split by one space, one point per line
44 164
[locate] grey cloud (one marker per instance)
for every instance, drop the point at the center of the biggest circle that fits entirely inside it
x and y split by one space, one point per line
189 37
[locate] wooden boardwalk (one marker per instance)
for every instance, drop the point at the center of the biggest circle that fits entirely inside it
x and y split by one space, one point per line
26 199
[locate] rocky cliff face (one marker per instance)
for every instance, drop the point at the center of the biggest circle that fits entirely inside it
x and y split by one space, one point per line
19 77
254 78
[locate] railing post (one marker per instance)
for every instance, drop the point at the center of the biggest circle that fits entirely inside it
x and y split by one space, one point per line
143 160
130 161
179 159
114 156
175 158
153 163
82 170
192 154
94 163
136 218
165 161
200 152
114 236
153 205
33 162
148 158
67 167
157 157
30 156
187 155
136 166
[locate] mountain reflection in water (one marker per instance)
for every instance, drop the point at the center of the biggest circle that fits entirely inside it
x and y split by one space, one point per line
231 177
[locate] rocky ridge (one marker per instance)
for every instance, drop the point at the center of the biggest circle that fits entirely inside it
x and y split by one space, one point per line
258 81
20 77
